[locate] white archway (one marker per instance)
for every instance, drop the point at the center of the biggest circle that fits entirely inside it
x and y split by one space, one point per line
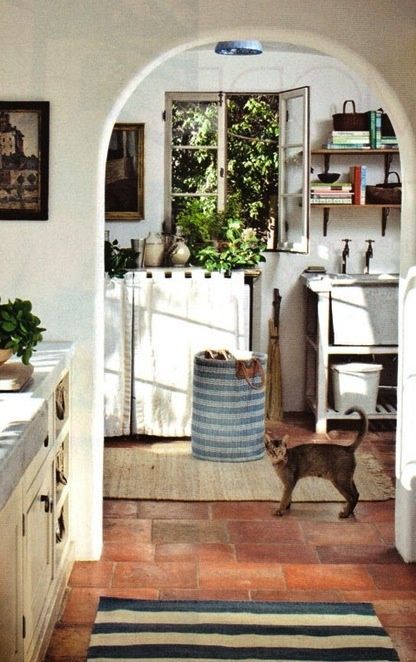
406 453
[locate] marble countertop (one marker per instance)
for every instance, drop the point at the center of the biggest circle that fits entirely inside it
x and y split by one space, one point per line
24 414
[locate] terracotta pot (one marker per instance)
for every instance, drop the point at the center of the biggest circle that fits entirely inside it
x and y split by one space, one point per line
5 354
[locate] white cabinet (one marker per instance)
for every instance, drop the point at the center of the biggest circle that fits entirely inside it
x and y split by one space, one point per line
11 620
35 550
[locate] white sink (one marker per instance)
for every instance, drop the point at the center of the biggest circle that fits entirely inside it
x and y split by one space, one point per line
349 279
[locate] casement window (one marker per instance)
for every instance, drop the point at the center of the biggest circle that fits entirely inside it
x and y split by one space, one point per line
254 145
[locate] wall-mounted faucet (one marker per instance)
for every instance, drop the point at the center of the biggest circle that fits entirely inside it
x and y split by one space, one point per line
345 254
368 254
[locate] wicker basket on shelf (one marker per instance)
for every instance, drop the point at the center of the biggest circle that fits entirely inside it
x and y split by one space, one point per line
352 121
388 193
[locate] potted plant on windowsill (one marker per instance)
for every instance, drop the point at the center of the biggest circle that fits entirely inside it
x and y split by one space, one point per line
19 330
220 240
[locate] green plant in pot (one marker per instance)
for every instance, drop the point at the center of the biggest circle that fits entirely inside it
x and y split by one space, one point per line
118 260
238 246
19 328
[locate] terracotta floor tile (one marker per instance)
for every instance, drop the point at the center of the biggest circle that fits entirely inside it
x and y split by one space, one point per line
119 508
311 577
276 552
127 530
204 594
68 642
173 510
348 532
357 554
126 551
295 596
313 512
386 531
190 551
80 606
241 575
404 640
278 530
131 593
163 574
375 511
399 613
377 594
189 531
398 577
91 573
241 510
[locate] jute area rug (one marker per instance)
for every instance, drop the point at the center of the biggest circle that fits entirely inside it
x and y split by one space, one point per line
168 471
151 630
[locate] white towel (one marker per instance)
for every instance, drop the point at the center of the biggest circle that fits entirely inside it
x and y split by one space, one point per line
118 355
173 319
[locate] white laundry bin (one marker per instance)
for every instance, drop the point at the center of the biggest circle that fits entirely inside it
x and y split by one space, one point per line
356 384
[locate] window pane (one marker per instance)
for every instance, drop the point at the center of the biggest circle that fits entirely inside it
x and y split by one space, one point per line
197 203
194 123
295 121
292 223
252 153
194 171
294 170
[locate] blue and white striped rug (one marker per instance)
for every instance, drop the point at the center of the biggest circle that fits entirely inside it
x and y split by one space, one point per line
209 631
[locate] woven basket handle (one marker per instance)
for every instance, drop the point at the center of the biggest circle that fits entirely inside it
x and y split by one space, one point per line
345 103
393 172
248 370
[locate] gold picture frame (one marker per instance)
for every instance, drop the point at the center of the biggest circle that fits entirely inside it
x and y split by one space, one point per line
124 177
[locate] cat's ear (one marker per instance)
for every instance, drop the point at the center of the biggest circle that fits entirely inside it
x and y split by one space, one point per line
285 441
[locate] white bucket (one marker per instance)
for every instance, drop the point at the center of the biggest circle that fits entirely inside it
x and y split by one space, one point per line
356 384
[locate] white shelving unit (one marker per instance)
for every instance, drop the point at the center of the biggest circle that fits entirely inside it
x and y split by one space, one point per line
321 352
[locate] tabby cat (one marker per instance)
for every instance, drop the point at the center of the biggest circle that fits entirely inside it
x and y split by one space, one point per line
332 461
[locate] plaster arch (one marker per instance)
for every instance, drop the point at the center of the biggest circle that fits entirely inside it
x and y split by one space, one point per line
405 453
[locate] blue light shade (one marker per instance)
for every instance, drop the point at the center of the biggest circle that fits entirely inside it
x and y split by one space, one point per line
249 47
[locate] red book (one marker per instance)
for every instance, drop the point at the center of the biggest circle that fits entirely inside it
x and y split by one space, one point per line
356 184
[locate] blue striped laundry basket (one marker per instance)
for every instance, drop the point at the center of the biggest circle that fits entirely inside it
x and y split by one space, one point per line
228 411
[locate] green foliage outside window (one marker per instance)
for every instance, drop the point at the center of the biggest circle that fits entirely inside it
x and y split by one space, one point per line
251 178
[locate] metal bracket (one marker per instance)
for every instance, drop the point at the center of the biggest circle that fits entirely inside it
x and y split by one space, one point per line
326 221
384 216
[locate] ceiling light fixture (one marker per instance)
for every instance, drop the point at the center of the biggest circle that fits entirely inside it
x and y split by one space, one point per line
247 47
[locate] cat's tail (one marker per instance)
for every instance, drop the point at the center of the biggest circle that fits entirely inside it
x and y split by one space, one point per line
363 428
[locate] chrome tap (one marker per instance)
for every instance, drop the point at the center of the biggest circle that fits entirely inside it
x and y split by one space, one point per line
345 254
368 254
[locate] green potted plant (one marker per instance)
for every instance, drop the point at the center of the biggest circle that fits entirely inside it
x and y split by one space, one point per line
19 329
238 246
199 224
118 260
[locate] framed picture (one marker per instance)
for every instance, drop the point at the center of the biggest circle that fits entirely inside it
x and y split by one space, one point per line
24 160
124 176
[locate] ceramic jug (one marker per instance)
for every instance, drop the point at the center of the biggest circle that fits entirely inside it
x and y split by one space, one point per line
179 253
154 250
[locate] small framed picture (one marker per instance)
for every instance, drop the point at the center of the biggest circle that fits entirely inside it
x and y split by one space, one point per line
24 160
124 177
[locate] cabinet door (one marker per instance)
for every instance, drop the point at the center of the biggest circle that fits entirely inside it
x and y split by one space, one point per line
11 625
38 550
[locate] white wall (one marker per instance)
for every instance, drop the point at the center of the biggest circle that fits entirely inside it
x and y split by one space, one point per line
331 82
86 57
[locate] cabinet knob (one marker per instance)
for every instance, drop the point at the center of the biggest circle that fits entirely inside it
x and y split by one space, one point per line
46 441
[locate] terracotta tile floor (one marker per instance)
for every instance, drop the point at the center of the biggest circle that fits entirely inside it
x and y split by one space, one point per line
240 551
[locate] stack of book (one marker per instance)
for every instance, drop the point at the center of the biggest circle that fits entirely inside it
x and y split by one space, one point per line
389 142
349 140
359 182
340 193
